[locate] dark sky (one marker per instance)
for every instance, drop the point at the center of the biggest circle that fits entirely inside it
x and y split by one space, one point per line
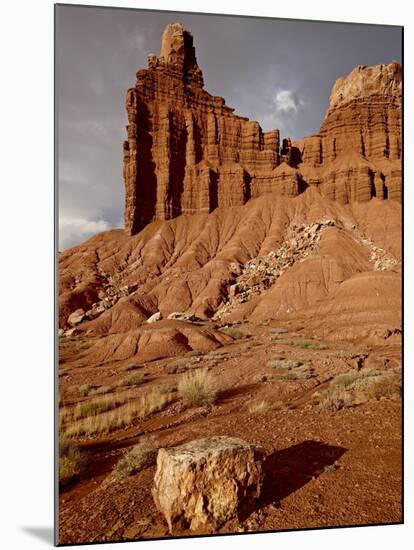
278 72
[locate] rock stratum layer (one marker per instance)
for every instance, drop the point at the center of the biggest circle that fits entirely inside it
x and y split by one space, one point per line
187 152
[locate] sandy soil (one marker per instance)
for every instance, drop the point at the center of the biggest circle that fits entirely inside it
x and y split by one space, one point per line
322 468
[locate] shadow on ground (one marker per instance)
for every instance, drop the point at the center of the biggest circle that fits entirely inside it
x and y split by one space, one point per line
288 470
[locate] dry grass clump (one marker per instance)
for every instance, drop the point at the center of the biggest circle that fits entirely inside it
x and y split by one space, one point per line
72 463
101 390
283 364
141 456
278 330
346 379
308 344
96 406
166 389
193 353
83 389
258 406
385 386
336 398
217 353
236 333
121 417
355 387
133 379
197 388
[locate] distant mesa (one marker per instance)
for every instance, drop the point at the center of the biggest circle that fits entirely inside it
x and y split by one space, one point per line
187 152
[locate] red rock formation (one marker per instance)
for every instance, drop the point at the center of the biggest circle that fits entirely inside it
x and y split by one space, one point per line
187 152
357 153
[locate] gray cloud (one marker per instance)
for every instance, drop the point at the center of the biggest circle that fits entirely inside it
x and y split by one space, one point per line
277 72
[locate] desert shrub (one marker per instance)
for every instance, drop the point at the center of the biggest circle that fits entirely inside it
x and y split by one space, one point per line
151 402
136 459
72 463
133 379
181 361
278 330
258 406
193 353
121 417
336 398
84 389
308 344
346 379
283 364
96 406
385 386
101 390
166 389
218 352
236 333
197 387
329 468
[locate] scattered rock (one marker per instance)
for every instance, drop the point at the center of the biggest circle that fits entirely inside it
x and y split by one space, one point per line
76 317
182 316
204 483
155 317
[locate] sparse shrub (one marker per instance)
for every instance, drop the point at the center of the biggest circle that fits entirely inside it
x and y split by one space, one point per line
346 379
136 459
121 417
308 344
283 364
387 385
236 333
197 387
101 390
218 352
257 406
72 463
133 379
151 402
336 398
180 361
96 406
84 389
329 468
278 330
193 353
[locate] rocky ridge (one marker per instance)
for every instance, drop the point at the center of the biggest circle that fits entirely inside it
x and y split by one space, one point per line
188 152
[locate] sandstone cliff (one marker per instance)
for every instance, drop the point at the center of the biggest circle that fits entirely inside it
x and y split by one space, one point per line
187 152
357 153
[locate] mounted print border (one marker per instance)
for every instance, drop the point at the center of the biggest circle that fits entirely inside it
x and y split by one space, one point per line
229 304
